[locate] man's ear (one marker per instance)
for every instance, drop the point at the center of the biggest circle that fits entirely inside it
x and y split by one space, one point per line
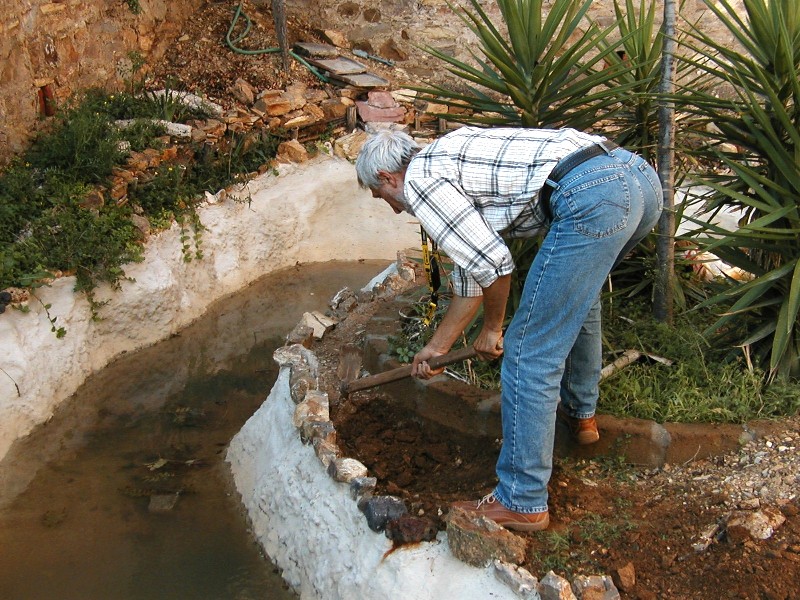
385 177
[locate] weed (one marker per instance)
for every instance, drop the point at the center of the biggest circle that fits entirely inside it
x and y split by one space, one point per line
143 134
83 146
134 6
59 331
555 556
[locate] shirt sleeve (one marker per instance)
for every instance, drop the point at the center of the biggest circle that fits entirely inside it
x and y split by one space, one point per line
450 218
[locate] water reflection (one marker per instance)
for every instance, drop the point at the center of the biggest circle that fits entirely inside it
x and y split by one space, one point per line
124 493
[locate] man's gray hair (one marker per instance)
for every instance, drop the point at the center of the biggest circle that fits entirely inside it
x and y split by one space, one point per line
389 151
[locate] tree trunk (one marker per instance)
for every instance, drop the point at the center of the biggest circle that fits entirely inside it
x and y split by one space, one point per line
279 19
665 248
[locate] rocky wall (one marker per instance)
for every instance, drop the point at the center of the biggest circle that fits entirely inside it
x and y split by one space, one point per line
51 48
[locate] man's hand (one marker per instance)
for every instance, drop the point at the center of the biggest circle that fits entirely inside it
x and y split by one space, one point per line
420 367
489 344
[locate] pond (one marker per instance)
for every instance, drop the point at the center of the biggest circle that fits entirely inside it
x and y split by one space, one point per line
124 493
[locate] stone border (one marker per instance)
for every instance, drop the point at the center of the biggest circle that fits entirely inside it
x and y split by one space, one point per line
315 513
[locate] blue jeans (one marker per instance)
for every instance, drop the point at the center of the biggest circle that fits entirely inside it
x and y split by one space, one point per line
552 348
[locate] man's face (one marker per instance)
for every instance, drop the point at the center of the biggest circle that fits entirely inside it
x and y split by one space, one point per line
391 191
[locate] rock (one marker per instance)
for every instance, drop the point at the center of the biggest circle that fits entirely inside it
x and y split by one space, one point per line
553 587
301 381
392 51
342 296
595 587
625 577
142 224
758 525
301 334
381 99
371 114
93 200
478 541
243 92
520 580
319 322
272 107
337 38
379 510
300 121
295 356
404 95
326 451
315 112
348 146
317 430
294 152
333 108
315 407
362 486
408 529
178 130
160 503
346 469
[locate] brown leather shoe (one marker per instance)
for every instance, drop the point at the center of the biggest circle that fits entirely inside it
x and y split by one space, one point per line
583 430
489 507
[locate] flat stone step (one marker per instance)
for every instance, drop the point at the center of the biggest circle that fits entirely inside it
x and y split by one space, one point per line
363 80
316 50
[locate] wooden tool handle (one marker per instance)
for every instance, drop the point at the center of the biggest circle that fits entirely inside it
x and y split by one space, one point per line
405 371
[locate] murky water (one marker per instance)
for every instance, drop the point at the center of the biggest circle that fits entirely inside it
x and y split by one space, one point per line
124 494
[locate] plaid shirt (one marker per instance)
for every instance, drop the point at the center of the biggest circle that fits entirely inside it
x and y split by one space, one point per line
473 185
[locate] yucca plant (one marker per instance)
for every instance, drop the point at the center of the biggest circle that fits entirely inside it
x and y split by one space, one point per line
560 70
753 131
543 71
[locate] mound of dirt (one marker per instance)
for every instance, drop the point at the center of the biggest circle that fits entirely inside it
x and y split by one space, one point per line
606 517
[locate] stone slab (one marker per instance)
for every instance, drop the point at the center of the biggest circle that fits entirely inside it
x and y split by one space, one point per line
315 50
339 65
363 80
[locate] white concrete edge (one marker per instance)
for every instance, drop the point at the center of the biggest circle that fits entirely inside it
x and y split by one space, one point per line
311 527
314 212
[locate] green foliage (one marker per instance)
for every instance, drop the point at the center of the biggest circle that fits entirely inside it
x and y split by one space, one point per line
143 134
546 72
134 6
82 146
753 131
702 385
94 246
46 224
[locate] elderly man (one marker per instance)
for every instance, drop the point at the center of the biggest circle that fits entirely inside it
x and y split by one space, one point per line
470 190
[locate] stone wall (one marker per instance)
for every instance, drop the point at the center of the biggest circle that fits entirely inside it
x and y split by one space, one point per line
59 46
55 47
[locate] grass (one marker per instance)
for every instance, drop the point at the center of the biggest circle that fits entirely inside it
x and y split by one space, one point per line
703 384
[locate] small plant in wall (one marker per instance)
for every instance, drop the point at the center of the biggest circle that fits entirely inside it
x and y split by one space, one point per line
134 6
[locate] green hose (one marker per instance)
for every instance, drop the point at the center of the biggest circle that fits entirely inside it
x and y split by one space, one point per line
232 44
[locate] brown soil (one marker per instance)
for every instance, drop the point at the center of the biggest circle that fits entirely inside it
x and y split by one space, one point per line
604 515
200 61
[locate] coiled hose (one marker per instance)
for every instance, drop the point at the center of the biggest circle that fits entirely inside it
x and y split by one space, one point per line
232 44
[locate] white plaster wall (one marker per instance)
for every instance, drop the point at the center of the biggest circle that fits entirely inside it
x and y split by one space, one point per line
309 213
312 529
